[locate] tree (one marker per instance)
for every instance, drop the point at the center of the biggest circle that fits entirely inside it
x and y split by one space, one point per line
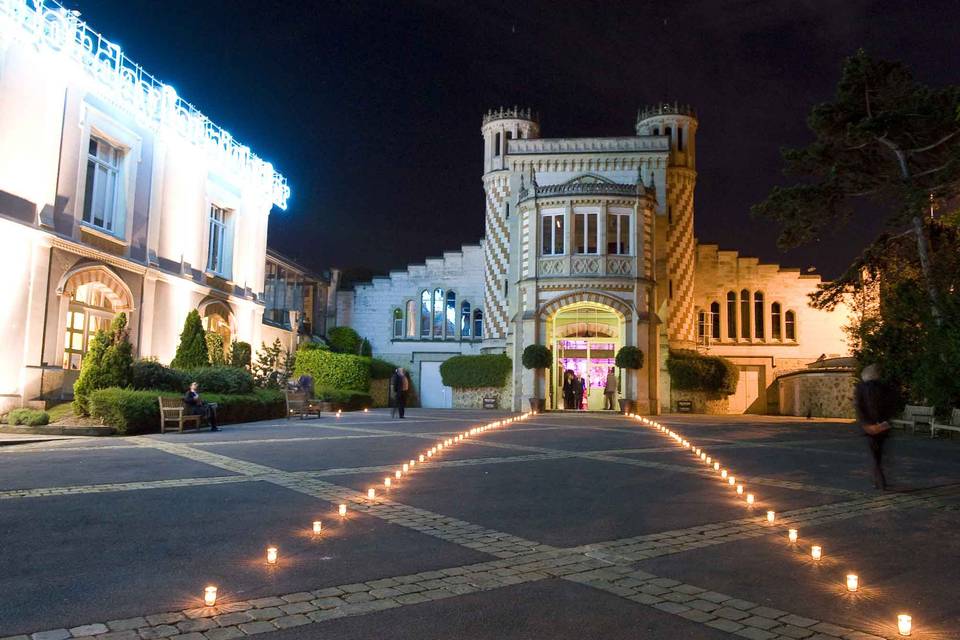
274 365
885 139
215 348
192 350
240 354
536 356
107 363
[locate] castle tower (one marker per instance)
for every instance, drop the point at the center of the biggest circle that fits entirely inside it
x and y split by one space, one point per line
498 128
679 123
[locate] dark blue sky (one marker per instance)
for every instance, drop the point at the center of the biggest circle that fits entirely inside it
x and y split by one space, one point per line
372 109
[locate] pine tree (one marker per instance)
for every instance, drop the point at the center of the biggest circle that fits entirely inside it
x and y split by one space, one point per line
192 350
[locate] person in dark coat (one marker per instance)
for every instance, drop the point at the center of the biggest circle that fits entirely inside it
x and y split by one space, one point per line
874 403
400 385
569 388
195 406
583 387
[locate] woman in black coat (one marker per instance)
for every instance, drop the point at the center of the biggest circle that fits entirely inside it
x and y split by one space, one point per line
569 389
874 402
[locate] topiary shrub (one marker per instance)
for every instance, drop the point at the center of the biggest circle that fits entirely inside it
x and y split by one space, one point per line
381 369
150 374
28 417
629 358
344 340
192 350
216 348
692 371
470 372
107 363
221 379
240 353
334 370
536 356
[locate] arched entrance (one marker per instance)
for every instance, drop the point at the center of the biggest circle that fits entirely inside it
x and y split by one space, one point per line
218 318
584 337
93 295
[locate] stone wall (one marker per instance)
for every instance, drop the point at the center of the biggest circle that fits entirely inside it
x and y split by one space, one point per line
826 394
473 398
380 392
703 402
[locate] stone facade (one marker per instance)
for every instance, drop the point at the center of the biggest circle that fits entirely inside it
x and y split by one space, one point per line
701 401
473 398
820 394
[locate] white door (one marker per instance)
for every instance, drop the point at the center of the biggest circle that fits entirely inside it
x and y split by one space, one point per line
748 390
433 394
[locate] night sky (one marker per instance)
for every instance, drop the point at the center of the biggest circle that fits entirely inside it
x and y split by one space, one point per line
372 110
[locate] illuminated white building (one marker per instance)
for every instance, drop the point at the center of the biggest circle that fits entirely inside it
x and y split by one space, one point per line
115 195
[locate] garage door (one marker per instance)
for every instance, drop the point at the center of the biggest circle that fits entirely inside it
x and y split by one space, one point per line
432 392
744 399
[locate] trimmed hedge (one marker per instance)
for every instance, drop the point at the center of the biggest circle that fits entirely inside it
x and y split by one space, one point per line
28 417
470 372
131 411
334 370
344 340
381 369
691 371
345 398
148 374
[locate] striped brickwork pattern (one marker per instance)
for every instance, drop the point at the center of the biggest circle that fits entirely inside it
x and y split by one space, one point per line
496 256
681 256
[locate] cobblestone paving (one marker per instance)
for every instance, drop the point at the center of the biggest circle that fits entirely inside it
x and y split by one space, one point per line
609 566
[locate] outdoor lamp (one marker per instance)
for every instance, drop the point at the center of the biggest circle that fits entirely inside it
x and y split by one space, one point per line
816 552
904 624
771 516
792 535
749 498
317 526
343 510
853 582
210 596
272 554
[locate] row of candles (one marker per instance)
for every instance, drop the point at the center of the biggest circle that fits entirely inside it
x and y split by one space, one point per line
904 621
403 470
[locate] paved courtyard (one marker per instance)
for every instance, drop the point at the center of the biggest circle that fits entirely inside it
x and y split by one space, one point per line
560 526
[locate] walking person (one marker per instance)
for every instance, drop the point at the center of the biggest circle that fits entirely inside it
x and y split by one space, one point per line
568 389
583 389
873 400
195 406
610 390
400 385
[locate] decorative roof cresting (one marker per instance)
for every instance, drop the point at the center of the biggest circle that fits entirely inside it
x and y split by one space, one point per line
504 113
666 109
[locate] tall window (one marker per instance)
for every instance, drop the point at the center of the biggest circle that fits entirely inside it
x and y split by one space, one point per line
790 325
215 244
715 320
745 314
451 315
411 318
585 232
101 188
425 313
477 323
731 315
551 233
397 323
775 320
496 144
679 138
438 313
90 310
465 320
618 233
758 314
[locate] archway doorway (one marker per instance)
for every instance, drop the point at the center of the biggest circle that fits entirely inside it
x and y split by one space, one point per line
92 296
218 318
585 337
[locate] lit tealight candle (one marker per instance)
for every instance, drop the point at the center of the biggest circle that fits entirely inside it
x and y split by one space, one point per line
272 554
707 459
904 624
210 596
716 466
365 410
371 493
739 489
731 480
771 516
398 473
386 482
723 474
749 498
816 552
853 582
792 535
421 457
343 510
317 526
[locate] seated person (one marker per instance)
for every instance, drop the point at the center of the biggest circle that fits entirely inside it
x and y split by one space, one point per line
305 384
197 407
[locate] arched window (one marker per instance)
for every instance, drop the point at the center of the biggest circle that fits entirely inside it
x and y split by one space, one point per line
744 314
397 323
451 316
731 315
715 320
790 325
758 314
775 321
438 313
411 318
477 323
465 320
425 313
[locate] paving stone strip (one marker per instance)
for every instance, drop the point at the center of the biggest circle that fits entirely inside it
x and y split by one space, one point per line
45 492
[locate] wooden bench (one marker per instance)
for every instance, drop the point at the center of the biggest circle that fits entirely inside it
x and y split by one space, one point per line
914 416
172 410
298 404
953 425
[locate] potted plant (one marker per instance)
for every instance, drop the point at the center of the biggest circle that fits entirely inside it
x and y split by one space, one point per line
536 356
628 358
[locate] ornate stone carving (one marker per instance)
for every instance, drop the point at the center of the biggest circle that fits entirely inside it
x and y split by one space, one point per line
619 266
585 265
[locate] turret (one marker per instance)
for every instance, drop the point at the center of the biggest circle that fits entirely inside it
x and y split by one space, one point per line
499 127
677 121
